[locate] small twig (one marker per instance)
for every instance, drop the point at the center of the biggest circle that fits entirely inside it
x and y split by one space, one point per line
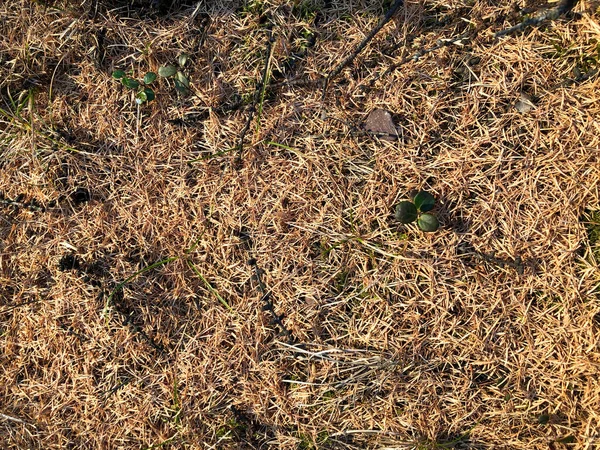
18 305
114 389
268 303
13 419
341 66
18 203
137 329
16 420
491 258
265 78
259 94
297 82
550 14
441 43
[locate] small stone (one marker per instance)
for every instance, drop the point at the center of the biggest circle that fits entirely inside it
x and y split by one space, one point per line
524 104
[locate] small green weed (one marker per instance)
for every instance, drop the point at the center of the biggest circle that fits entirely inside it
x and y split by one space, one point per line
307 40
417 209
232 427
252 8
593 231
306 10
144 92
182 81
445 443
308 443
176 406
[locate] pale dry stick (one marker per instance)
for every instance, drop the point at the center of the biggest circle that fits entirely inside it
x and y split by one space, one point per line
15 419
214 446
304 383
375 361
341 66
357 369
347 432
322 354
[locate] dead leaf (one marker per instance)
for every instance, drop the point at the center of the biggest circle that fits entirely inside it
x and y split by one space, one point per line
380 123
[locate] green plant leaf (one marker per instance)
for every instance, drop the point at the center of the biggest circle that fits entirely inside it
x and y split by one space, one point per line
406 212
424 201
130 83
183 79
543 419
167 71
182 59
141 97
149 78
149 94
428 223
118 74
567 440
180 86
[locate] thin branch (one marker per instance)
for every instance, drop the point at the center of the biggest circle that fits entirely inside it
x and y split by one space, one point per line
416 56
259 94
268 303
298 82
19 203
341 66
549 14
16 419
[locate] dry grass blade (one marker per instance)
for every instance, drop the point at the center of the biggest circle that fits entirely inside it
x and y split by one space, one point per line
154 296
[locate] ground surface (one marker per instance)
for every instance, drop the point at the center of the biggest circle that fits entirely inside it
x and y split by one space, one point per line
372 334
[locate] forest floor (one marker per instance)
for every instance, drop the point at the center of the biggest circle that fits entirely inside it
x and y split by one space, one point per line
221 268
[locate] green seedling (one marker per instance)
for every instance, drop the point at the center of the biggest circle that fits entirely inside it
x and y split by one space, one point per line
182 82
406 212
418 209
424 201
144 92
